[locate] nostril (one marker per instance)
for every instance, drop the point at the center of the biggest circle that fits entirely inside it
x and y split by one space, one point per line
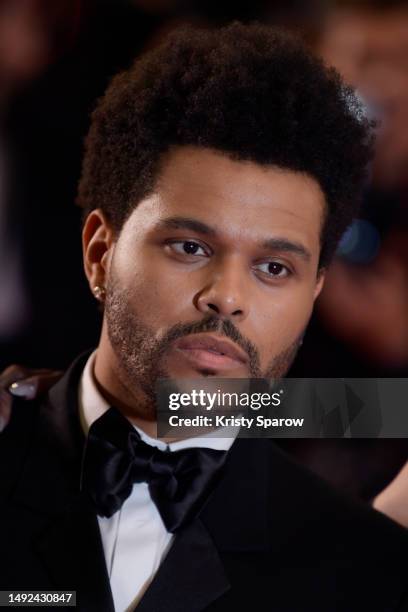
213 307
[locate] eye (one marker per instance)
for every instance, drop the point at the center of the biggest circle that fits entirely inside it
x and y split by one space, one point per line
187 247
274 269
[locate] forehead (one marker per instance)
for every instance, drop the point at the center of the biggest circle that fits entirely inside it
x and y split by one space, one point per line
235 197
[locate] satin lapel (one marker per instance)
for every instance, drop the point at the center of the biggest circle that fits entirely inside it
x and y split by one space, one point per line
70 546
237 514
72 552
190 578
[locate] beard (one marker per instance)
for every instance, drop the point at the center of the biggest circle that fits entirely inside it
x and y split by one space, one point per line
141 356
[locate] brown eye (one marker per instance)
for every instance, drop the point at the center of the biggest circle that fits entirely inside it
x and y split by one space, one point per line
190 248
187 247
274 269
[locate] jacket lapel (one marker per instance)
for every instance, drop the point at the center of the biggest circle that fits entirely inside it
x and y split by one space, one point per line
69 546
237 512
71 550
190 578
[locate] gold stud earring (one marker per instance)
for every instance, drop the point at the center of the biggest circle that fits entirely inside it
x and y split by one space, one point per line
99 293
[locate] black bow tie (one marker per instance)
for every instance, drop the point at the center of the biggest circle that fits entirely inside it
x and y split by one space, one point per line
116 457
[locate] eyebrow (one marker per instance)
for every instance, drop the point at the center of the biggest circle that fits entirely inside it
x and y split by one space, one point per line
273 244
187 223
287 246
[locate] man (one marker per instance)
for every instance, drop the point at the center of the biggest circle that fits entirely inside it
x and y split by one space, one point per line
219 173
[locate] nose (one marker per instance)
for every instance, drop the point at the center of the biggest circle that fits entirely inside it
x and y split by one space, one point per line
224 293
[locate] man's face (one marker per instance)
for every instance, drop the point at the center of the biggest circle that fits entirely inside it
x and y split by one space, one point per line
216 272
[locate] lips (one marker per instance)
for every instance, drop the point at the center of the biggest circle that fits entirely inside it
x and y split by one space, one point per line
218 349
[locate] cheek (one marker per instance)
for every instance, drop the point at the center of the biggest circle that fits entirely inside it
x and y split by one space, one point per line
159 296
281 321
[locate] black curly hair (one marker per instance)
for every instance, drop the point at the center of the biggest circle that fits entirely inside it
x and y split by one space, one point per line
250 91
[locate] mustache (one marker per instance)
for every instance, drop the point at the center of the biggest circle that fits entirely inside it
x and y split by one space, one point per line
224 327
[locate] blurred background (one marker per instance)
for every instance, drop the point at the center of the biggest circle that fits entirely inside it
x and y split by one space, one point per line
56 59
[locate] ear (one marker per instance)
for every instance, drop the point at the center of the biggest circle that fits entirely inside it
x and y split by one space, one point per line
321 277
97 247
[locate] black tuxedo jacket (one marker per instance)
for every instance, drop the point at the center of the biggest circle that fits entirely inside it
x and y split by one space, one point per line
272 536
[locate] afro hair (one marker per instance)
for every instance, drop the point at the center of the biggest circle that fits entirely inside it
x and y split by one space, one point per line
250 91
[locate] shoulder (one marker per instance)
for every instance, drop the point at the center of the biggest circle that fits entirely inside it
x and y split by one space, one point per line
16 439
327 523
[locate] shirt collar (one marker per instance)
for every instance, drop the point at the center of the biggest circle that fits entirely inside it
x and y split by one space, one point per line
93 405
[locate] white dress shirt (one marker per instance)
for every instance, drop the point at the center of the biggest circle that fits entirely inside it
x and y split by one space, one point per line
135 540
